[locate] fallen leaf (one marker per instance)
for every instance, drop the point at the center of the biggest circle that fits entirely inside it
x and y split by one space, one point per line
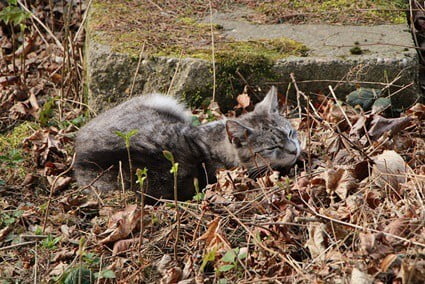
388 261
389 169
367 242
213 237
316 240
359 277
123 245
412 271
173 275
243 101
397 227
379 125
122 224
4 232
340 181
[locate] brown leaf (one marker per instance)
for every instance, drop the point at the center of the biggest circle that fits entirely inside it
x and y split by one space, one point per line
243 101
213 237
8 80
380 125
122 224
367 242
359 277
389 169
418 110
23 49
59 183
413 272
173 275
340 181
4 232
397 227
316 241
123 245
388 261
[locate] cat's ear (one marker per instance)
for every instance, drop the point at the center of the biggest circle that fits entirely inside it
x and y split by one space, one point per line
238 134
269 104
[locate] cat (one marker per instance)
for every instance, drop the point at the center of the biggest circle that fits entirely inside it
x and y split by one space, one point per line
256 140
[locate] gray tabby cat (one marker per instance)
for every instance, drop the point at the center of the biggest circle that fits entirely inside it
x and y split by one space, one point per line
256 140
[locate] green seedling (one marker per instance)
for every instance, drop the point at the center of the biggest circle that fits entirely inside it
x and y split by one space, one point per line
127 136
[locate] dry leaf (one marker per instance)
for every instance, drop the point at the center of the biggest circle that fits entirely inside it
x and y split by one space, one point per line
59 269
388 261
359 277
367 242
397 227
380 125
340 181
389 169
173 275
213 237
316 240
243 101
4 232
122 224
123 245
414 272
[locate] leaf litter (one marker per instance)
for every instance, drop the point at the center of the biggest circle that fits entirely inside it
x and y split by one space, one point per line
351 210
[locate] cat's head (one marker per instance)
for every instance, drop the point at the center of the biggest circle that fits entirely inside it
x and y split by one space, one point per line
264 137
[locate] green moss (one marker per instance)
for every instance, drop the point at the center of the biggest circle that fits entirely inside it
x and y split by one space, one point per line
11 154
14 139
334 11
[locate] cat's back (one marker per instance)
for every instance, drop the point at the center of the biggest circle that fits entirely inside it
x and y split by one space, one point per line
148 114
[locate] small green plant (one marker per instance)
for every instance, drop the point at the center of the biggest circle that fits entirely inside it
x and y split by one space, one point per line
9 219
12 158
13 15
105 274
174 170
142 175
50 242
91 258
209 256
127 136
230 260
199 196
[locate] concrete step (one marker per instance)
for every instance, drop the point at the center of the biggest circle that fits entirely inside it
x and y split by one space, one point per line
344 56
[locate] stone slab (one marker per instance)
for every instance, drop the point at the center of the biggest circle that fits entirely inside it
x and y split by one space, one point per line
387 58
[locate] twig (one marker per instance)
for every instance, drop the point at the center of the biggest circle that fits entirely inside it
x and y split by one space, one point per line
175 73
58 43
17 245
340 107
212 52
137 69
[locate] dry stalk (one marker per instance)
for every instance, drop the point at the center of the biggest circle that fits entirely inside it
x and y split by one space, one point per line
58 43
175 73
137 69
340 107
300 93
212 52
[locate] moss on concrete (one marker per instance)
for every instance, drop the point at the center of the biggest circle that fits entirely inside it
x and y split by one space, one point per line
331 11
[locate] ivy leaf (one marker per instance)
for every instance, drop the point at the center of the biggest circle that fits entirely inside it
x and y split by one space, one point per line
226 267
230 256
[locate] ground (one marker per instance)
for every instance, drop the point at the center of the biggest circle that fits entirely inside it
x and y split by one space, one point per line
351 210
